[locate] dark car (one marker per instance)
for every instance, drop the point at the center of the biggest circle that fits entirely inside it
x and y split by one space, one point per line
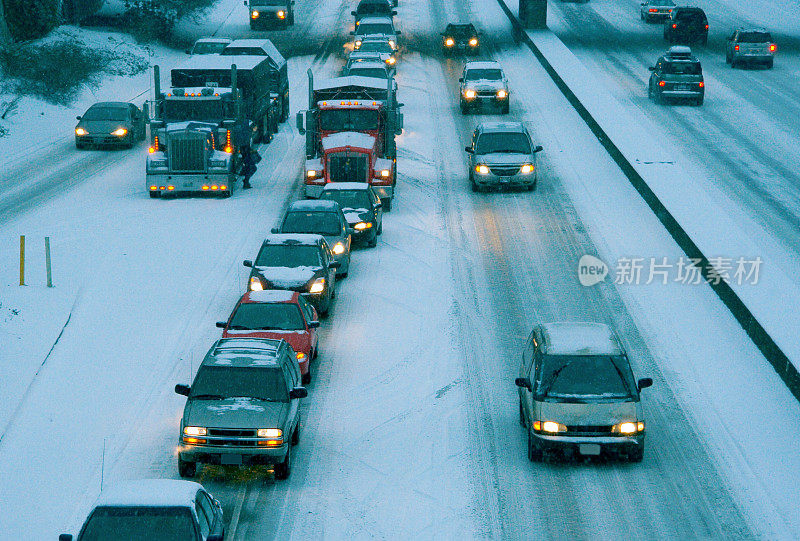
361 207
677 75
686 25
153 509
373 8
110 123
296 262
460 38
750 46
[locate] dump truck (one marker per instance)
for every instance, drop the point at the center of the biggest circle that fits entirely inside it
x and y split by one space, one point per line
350 129
278 69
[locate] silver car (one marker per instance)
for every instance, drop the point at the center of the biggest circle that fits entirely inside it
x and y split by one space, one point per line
750 46
502 156
375 26
655 10
324 218
483 83
577 394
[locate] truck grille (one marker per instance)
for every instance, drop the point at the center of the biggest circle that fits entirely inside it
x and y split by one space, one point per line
187 152
590 430
232 432
504 170
348 167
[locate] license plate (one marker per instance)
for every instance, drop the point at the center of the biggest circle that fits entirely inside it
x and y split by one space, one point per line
231 460
683 87
589 449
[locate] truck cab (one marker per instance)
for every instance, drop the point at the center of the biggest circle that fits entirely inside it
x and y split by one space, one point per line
270 13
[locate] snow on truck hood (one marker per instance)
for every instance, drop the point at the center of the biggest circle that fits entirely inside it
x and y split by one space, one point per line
348 139
288 277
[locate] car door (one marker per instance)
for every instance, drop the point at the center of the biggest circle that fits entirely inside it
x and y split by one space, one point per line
289 373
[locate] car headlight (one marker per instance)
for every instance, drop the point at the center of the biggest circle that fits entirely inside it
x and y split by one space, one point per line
385 173
80 131
269 433
194 431
357 44
312 173
255 284
338 248
392 44
469 93
391 60
502 94
526 169
254 14
449 42
473 42
628 427
119 132
482 169
318 286
549 426
361 226
281 14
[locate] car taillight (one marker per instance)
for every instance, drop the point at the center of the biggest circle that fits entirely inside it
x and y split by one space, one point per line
773 48
706 27
653 10
661 83
735 47
674 25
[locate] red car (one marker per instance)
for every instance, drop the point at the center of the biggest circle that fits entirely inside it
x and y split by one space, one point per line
277 314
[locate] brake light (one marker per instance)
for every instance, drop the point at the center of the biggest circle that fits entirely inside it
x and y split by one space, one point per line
653 10
674 25
701 84
773 48
706 27
735 47
661 83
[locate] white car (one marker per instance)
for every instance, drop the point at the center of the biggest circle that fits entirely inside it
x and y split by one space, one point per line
209 46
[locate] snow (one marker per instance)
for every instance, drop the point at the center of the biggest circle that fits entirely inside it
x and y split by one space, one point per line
315 204
348 139
271 295
331 186
288 277
301 238
353 215
269 48
350 80
574 338
150 493
213 61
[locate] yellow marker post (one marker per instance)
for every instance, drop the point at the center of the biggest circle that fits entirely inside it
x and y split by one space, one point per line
22 260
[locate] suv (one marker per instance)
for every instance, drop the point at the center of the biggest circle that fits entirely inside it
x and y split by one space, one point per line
577 393
373 47
243 407
686 24
750 46
383 26
270 13
502 156
373 8
677 75
460 37
153 508
321 218
483 83
296 263
280 315
361 207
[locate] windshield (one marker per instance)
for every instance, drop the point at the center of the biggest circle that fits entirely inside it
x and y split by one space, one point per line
371 8
208 48
487 74
683 68
288 255
136 523
265 316
374 28
379 73
348 120
695 16
460 31
262 383
348 199
114 114
375 47
212 110
755 37
321 223
503 142
587 376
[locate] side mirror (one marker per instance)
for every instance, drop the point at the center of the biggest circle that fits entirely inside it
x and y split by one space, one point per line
300 121
469 150
78 118
652 68
523 382
247 263
397 32
644 383
394 13
353 13
313 324
65 537
460 79
245 2
182 389
352 32
537 149
298 392
334 265
220 324
275 230
377 206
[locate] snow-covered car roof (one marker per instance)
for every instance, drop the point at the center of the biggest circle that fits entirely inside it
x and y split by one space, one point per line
150 493
314 204
501 127
372 64
269 296
114 104
348 139
577 338
482 64
335 186
309 239
228 348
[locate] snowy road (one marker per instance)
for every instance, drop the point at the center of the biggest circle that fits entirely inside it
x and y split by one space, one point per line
410 428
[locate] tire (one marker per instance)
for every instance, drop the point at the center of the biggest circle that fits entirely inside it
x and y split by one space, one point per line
727 57
521 414
284 469
380 228
374 242
733 63
285 109
306 378
186 469
534 453
770 63
296 435
504 110
290 18
532 187
636 455
474 186
699 101
155 195
387 204
464 108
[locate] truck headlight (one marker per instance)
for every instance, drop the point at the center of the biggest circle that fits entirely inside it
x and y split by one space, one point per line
361 226
120 132
392 44
628 427
269 433
502 94
549 426
311 173
194 431
385 173
254 14
318 286
281 14
469 94
338 248
357 44
482 169
81 131
473 42
526 169
449 42
391 60
255 284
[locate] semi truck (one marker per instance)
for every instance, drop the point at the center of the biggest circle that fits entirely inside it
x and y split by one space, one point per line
350 129
278 69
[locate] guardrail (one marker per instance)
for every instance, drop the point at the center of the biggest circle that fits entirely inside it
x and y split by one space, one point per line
755 331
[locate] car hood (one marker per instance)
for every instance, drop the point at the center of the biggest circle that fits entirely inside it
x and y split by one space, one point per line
289 277
485 84
590 413
102 126
353 216
504 158
237 412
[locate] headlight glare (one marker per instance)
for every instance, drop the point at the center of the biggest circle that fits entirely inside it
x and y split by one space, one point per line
473 42
482 169
318 286
255 284
502 94
119 132
254 15
194 431
553 427
449 42
629 427
469 93
526 169
80 131
361 226
281 14
338 248
311 173
269 433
